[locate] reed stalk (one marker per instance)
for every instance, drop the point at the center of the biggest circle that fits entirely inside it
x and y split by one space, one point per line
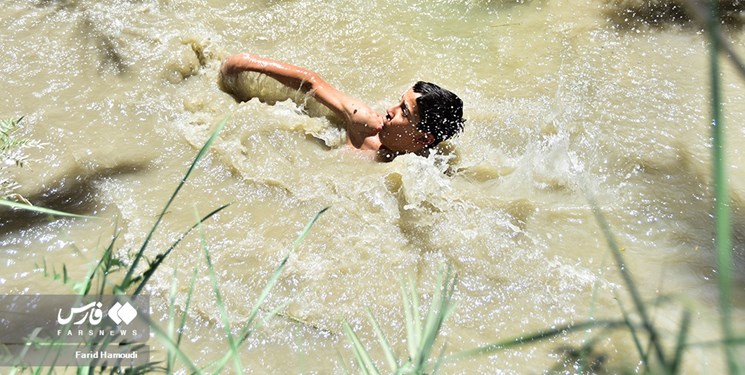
108 264
127 281
420 335
41 210
723 226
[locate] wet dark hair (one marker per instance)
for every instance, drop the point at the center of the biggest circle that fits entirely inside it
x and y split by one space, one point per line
440 111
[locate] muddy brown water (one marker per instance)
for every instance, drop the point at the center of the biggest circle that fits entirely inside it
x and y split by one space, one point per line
562 102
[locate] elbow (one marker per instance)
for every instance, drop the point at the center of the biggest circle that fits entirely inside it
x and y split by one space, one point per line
229 65
313 82
234 64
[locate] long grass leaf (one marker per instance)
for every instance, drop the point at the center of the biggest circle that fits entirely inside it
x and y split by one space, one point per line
734 341
232 344
171 346
444 305
435 318
100 268
701 13
643 354
593 304
184 314
390 357
363 357
343 362
428 333
723 236
409 319
278 271
415 322
171 319
535 337
677 360
623 269
271 314
182 323
415 306
170 327
440 360
42 210
128 277
244 334
161 257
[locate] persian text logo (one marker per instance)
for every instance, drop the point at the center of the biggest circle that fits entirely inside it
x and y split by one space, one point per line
93 314
102 330
74 319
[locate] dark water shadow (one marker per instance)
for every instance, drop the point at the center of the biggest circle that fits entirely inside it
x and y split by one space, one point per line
682 191
107 46
630 15
91 33
74 193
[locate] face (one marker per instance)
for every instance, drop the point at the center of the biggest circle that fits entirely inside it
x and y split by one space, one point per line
399 127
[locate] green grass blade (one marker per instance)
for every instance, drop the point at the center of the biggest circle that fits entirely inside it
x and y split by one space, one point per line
102 268
593 303
438 312
411 316
429 332
42 210
535 337
628 281
440 360
723 225
172 304
171 346
128 277
161 257
171 319
409 322
363 357
278 271
271 314
185 314
171 358
734 341
677 360
390 357
244 334
415 309
232 344
28 344
343 362
643 355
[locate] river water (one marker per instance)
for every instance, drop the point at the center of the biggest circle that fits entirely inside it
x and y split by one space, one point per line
565 100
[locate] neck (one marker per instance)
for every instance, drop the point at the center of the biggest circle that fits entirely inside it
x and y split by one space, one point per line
371 143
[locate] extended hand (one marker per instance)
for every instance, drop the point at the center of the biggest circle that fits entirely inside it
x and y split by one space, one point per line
363 121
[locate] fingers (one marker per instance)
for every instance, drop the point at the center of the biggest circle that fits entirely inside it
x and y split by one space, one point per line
375 124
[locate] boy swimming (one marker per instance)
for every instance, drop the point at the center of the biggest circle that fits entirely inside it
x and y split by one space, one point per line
426 115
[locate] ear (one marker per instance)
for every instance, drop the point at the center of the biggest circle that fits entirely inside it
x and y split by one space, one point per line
427 138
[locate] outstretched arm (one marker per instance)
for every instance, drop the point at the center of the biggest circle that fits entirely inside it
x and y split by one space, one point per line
361 120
